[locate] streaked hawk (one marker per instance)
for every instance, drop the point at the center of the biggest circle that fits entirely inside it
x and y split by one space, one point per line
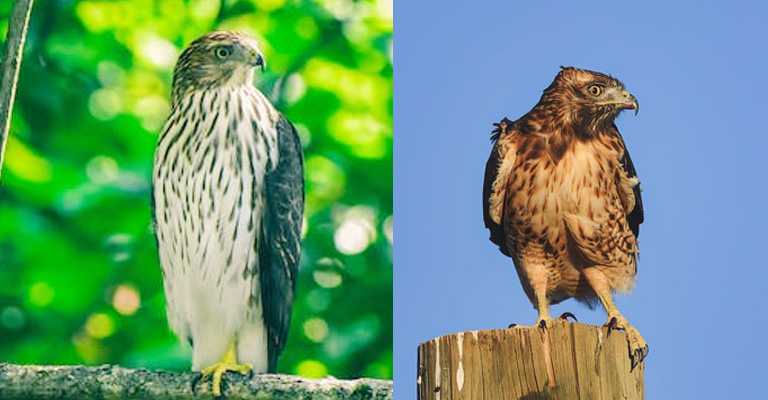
562 199
228 193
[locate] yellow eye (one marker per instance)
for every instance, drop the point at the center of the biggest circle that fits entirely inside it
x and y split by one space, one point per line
595 90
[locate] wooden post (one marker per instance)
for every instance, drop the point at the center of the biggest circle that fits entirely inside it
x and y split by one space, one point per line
565 361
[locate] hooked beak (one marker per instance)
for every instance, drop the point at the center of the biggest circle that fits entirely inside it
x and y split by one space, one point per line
630 102
257 60
621 99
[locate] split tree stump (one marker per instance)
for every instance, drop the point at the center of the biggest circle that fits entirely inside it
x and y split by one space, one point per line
565 361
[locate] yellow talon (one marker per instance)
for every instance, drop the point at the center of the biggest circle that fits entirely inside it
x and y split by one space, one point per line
227 363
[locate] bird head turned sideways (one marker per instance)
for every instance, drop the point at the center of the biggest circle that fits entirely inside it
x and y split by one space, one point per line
217 59
587 97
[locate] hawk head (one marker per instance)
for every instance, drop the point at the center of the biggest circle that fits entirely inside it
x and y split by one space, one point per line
215 60
586 98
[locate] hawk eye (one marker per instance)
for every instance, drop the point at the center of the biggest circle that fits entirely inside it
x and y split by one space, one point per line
595 90
223 52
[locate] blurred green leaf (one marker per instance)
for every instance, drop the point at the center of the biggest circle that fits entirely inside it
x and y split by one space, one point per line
81 280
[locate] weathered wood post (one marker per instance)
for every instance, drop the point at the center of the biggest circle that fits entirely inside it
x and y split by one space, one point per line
565 361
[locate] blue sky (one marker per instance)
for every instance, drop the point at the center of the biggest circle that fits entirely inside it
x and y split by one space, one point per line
699 145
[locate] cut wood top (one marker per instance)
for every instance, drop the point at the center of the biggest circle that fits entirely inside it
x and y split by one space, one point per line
564 361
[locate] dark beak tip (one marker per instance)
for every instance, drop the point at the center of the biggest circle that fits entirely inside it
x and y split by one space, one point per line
260 62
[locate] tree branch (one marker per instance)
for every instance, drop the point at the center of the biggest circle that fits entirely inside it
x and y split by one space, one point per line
113 382
12 54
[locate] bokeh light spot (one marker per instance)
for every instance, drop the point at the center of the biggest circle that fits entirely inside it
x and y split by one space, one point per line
203 9
99 326
89 349
388 228
295 88
126 299
158 51
311 369
316 329
385 10
326 180
269 5
318 300
102 169
351 237
356 231
105 104
363 133
41 294
110 73
152 109
327 279
12 318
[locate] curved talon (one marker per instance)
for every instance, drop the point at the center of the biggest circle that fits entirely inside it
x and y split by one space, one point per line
218 370
511 326
612 325
543 324
638 356
568 314
195 380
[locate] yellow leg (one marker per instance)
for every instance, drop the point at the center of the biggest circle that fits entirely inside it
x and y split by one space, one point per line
227 363
638 348
542 306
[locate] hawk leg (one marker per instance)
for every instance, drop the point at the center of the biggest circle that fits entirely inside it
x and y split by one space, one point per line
537 277
638 348
542 305
227 363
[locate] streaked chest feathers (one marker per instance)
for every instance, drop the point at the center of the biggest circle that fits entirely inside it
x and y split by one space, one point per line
583 196
213 185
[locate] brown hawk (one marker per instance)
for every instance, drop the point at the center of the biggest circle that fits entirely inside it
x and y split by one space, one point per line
562 199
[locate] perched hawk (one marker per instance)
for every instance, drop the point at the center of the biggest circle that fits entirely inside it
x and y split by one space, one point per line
562 199
228 195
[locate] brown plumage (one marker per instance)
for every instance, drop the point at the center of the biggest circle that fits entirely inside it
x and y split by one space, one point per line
562 199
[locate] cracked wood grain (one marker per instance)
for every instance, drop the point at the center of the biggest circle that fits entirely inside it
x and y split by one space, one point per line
569 361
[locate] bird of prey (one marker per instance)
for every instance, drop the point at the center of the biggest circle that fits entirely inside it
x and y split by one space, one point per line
562 199
228 199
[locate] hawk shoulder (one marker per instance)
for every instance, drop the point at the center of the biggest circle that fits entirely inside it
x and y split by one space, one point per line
497 173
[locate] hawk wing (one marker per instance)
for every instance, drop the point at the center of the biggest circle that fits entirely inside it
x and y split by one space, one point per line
636 216
497 171
280 248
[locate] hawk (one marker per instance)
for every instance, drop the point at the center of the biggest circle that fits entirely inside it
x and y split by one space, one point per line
562 199
228 199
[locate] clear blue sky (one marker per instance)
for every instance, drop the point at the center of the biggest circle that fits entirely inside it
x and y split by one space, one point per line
699 143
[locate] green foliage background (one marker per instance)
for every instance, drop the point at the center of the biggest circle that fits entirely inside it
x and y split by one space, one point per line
79 275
